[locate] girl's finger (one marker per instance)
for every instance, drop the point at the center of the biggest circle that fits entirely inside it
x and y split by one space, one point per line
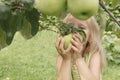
76 39
62 45
74 43
78 36
75 49
57 42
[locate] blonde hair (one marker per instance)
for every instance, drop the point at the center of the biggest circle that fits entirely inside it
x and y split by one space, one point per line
94 43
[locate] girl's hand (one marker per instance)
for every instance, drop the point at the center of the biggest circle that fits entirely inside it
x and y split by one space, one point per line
77 46
66 54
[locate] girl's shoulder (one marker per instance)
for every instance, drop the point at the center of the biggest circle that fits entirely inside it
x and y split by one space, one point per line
88 56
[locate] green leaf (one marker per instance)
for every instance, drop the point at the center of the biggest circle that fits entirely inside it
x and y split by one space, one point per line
2 38
4 11
116 47
33 18
117 61
109 26
11 25
117 32
26 29
115 3
109 37
107 1
65 29
28 4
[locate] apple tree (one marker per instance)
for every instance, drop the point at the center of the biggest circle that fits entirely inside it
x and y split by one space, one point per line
30 16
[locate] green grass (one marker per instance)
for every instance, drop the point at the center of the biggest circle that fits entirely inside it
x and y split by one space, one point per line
112 72
35 59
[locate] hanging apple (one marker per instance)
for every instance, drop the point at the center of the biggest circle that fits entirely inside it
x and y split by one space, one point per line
67 40
51 7
83 9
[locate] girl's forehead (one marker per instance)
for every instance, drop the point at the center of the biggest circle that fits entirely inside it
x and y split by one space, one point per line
81 22
78 22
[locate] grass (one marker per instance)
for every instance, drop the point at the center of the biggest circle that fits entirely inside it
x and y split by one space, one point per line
112 72
35 59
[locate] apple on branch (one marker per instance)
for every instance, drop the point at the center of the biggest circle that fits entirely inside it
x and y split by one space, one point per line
51 7
83 9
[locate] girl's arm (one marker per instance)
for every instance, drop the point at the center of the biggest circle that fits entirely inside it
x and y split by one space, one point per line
63 61
93 71
63 69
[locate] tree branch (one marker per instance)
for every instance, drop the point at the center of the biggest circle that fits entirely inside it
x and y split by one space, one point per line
52 30
109 13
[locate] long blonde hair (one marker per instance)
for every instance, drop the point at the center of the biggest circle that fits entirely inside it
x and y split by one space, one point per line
94 43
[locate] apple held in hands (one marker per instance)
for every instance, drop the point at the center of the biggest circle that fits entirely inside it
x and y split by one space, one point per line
67 40
51 7
83 9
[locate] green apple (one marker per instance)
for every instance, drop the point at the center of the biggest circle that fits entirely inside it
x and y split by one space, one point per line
67 40
83 9
51 7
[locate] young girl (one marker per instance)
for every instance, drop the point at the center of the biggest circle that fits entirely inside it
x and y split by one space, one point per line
81 61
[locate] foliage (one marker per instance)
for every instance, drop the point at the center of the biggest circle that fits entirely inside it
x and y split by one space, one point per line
110 22
111 44
13 14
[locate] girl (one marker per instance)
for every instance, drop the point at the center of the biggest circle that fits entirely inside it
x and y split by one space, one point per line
81 61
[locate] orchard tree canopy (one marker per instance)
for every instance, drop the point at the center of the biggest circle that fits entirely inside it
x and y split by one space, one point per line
29 16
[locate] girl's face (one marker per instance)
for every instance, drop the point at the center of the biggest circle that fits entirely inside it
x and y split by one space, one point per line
82 25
